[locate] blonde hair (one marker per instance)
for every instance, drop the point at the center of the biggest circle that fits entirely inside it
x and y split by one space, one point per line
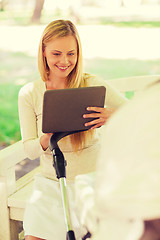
55 30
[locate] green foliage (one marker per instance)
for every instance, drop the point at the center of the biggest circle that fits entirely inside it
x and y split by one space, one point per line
9 122
117 68
16 69
130 24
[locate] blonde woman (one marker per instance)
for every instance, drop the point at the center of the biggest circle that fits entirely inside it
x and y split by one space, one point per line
60 66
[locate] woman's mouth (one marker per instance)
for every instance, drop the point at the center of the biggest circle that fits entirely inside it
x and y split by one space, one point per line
62 68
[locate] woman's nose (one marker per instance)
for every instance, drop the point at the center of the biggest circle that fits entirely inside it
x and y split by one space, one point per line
64 59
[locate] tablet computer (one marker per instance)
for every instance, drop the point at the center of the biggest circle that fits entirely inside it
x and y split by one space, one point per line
63 109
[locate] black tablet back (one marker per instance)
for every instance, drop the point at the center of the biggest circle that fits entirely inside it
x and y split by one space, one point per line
63 109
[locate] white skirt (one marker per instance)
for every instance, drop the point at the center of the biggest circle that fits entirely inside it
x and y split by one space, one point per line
44 215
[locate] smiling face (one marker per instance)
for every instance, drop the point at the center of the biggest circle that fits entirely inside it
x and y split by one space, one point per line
61 57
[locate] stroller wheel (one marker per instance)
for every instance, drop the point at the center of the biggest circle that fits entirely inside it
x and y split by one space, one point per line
88 235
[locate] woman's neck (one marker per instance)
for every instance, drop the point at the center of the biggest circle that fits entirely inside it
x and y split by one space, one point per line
56 83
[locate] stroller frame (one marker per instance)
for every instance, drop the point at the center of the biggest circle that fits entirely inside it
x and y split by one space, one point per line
59 163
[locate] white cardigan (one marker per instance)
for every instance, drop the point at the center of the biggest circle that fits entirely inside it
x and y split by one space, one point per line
30 114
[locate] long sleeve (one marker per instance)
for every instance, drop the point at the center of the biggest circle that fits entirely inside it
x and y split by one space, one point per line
114 98
28 121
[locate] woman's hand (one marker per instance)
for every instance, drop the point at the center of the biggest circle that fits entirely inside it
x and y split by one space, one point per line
101 115
44 140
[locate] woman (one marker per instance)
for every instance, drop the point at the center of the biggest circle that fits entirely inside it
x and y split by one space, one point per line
60 66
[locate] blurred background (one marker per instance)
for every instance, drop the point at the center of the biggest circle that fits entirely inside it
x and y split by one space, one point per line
120 38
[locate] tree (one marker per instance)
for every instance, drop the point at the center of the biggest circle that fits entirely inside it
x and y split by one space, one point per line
37 11
2 5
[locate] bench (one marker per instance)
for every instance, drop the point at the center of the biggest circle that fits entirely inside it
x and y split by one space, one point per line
14 194
132 86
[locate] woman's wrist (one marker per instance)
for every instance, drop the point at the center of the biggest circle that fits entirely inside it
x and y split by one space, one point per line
44 140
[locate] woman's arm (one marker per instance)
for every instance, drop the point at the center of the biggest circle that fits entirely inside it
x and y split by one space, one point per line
34 145
113 101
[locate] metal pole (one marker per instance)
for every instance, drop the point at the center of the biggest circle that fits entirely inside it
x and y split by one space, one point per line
62 182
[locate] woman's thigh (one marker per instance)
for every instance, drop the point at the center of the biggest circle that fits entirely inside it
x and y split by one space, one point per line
32 238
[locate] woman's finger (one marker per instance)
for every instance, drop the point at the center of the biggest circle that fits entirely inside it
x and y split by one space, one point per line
92 115
95 109
96 126
96 121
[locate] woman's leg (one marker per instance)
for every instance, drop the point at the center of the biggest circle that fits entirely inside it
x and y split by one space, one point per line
32 238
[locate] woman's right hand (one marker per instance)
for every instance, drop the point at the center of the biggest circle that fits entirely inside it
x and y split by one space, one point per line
44 140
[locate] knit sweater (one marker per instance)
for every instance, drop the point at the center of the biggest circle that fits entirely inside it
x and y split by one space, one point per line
30 104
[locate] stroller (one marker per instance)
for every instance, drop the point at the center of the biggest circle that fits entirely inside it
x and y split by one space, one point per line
59 163
58 107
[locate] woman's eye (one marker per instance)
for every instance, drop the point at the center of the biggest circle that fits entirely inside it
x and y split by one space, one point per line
71 54
56 54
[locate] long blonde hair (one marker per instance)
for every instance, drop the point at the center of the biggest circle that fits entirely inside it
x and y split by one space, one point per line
55 30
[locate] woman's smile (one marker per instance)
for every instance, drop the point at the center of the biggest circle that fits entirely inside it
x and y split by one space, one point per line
62 68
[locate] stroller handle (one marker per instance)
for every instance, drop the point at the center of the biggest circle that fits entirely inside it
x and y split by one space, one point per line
58 136
59 162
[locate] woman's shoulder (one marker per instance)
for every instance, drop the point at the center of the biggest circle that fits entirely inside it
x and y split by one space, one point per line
32 87
92 80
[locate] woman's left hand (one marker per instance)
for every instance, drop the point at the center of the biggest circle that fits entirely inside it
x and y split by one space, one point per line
101 115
